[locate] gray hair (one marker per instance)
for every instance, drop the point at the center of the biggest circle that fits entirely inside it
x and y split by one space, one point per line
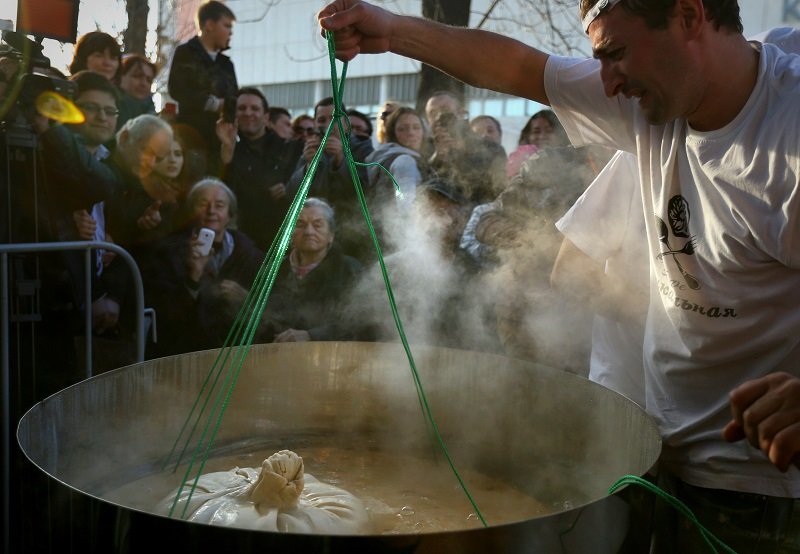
141 128
209 182
326 208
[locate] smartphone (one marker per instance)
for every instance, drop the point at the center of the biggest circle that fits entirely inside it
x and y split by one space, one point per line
229 109
206 238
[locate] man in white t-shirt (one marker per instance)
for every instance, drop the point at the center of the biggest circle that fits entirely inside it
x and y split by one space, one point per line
603 263
715 124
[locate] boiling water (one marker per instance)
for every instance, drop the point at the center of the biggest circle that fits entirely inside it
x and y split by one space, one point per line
402 494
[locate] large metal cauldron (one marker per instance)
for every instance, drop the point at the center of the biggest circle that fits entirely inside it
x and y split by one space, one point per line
551 434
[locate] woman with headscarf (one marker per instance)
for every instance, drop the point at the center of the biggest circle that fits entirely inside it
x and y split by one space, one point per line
316 278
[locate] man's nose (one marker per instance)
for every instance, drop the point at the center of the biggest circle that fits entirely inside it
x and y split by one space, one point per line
613 79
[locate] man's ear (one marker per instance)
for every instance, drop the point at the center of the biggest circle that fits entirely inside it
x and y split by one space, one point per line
692 16
123 138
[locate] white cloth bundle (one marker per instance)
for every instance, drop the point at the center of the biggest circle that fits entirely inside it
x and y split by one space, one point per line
279 497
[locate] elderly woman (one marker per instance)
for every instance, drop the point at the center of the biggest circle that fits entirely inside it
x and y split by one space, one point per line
314 282
197 294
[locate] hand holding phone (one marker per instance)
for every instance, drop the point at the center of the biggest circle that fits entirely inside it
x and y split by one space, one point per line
229 109
205 239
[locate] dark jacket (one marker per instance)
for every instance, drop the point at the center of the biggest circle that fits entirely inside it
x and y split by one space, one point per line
314 303
126 206
75 178
335 185
193 77
186 321
130 107
256 166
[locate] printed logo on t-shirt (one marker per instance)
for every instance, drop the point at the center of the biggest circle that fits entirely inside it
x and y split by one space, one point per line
681 243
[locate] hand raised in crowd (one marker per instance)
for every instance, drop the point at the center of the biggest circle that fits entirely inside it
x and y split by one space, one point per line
444 142
766 411
161 188
85 224
293 335
310 147
226 133
196 262
358 28
334 148
277 191
151 218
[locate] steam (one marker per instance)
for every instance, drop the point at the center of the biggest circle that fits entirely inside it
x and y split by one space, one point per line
507 306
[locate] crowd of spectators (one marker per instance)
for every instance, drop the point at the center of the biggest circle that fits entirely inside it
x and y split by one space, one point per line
474 223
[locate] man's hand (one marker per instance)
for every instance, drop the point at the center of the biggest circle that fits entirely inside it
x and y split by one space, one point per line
196 262
277 191
358 28
226 133
151 218
766 412
310 147
334 148
85 224
293 335
232 292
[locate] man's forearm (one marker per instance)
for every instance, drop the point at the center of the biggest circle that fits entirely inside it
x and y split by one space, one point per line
479 58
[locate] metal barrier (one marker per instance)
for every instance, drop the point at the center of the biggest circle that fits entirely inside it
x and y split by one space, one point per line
32 248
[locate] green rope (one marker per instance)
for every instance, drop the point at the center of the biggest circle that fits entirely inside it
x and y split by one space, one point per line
708 537
339 115
231 357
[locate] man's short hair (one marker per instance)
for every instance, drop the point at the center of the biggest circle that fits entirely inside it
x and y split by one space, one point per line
89 80
208 182
327 101
255 92
656 13
276 111
449 93
490 118
212 11
132 61
362 116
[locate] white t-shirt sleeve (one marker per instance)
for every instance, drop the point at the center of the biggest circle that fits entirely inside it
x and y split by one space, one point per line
599 220
406 173
576 94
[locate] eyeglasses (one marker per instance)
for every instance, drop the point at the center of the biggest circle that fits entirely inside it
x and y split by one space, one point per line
308 131
95 109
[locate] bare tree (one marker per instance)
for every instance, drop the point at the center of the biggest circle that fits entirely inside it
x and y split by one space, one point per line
134 37
551 25
451 12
